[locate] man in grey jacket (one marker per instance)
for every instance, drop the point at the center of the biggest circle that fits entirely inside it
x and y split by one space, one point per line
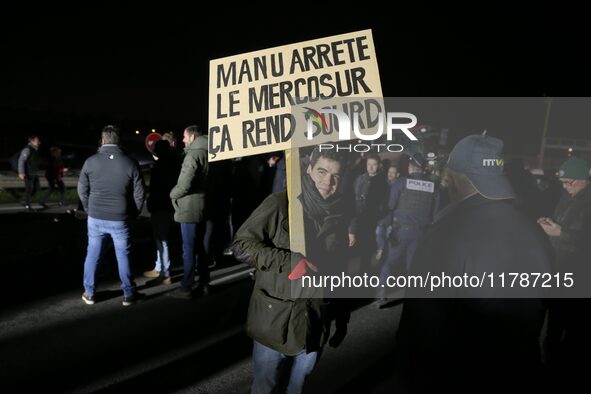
188 200
28 166
111 190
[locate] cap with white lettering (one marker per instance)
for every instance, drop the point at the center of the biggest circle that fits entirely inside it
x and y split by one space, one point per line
480 158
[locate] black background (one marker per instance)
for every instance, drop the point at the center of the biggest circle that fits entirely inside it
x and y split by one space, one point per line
66 72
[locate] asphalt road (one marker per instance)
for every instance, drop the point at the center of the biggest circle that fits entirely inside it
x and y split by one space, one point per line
51 341
162 344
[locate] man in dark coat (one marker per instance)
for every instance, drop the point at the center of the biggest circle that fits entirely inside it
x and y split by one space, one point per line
569 230
371 194
474 339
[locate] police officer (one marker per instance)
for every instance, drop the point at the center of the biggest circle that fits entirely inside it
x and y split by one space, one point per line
413 201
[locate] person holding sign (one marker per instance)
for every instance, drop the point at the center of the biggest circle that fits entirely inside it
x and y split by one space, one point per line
290 331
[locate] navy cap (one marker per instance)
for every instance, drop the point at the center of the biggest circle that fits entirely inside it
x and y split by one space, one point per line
480 158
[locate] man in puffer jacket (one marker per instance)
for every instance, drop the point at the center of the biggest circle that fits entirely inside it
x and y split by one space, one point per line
111 190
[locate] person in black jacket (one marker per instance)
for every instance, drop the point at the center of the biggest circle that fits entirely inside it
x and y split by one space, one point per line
111 190
569 231
163 178
468 339
370 196
54 175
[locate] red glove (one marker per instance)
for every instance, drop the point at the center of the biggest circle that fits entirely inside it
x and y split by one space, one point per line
300 269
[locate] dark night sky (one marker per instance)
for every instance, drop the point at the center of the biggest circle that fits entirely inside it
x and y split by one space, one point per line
148 67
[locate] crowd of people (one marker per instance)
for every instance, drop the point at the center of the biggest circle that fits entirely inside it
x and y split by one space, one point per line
464 342
390 217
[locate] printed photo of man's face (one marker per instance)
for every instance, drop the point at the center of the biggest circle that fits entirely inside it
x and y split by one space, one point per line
326 174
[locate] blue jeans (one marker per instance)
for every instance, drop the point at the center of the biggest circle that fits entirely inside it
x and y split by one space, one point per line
269 366
161 223
404 247
98 231
194 249
383 232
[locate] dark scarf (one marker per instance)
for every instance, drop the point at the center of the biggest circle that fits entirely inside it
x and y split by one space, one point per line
314 205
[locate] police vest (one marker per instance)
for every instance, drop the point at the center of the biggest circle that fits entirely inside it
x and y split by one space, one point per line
416 200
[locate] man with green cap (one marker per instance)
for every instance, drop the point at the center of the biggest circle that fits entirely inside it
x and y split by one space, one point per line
570 234
565 230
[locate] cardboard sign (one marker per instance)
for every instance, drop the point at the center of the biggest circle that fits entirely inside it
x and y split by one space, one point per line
251 95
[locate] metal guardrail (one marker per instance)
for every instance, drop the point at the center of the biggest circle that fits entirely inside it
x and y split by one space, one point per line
9 180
